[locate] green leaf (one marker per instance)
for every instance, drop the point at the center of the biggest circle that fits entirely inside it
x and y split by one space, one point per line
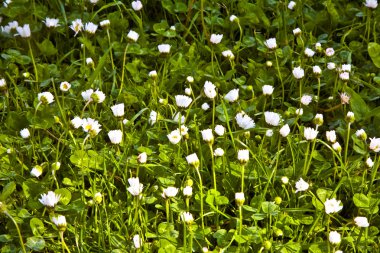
374 53
65 195
324 194
37 226
35 243
8 190
361 200
221 200
47 48
358 105
5 238
270 208
318 248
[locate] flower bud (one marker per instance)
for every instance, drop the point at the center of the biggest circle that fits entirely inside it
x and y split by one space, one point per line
278 200
239 198
98 198
350 117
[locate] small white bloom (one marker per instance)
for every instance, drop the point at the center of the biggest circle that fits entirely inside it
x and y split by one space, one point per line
331 65
105 23
369 162
301 185
338 251
50 199
285 180
239 198
209 89
346 67
233 18
77 26
175 136
269 133
361 134
243 155
350 117
23 31
36 171
137 5
98 96
25 133
3 83
332 206
361 222
6 3
336 146
91 126
374 144
94 1
331 136
188 91
218 152
135 187
137 241
297 31
244 121
183 130
76 122
118 110
172 28
65 86
272 118
152 118
190 79
310 133
329 51
51 22
164 48
98 197
344 98
219 130
132 35
13 25
318 119
188 191
232 95
318 46
285 130
90 27
371 4
291 5
116 136
205 107
207 135
142 158
267 90
187 217
59 221
125 121
45 97
309 53
228 54
317 70
271 43
344 76
170 192
334 237
152 74
193 160
183 101
216 38
89 61
299 111
306 99
298 72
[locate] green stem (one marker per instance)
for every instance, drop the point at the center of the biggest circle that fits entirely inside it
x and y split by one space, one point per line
64 246
280 76
240 225
33 61
304 172
201 196
191 239
184 237
347 141
18 231
123 69
168 210
242 178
